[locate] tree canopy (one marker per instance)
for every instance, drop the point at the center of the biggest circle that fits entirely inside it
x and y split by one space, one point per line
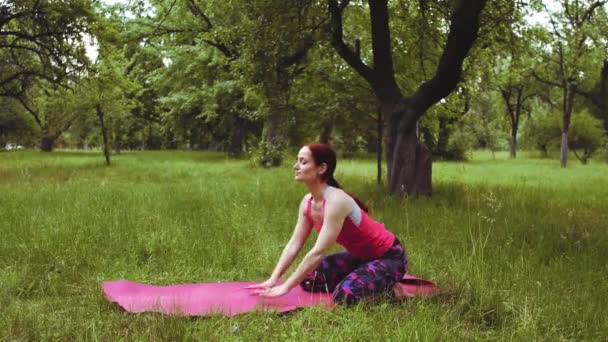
410 81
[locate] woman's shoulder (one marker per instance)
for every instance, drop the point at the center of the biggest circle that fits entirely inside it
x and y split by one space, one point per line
303 207
305 200
338 197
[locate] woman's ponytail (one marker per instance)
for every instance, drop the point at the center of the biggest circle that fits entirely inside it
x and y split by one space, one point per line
322 153
333 182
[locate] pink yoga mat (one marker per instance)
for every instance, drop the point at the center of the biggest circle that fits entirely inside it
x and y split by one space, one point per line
228 299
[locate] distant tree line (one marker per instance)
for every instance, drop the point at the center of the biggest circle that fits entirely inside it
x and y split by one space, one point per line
410 81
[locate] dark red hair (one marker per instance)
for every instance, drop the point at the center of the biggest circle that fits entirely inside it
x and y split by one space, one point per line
323 153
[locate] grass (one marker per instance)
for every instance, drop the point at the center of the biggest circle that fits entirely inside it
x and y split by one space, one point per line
520 247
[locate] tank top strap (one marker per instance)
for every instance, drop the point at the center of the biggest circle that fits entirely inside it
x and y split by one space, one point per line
326 193
307 213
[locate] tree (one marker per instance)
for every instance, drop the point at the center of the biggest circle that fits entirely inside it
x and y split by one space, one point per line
41 39
587 135
514 79
567 59
41 50
15 125
205 87
485 122
107 89
542 131
598 96
53 109
284 32
408 162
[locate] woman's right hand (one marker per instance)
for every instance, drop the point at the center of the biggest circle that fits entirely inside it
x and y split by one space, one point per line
264 285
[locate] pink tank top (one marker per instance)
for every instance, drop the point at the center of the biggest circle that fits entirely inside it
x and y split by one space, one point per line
367 240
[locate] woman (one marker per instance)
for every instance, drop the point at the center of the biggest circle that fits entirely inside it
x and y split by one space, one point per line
374 260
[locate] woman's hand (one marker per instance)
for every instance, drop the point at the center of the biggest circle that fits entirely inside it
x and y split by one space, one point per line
275 291
264 285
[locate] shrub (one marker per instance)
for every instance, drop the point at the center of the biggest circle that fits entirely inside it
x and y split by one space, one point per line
586 135
542 130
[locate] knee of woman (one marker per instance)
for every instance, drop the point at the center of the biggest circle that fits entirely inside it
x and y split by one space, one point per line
346 295
307 285
314 282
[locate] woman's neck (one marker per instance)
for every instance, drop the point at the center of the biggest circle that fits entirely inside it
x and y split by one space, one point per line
317 189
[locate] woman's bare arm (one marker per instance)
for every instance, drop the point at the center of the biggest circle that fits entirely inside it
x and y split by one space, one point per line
293 247
337 207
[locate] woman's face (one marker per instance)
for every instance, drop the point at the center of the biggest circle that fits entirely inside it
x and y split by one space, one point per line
305 168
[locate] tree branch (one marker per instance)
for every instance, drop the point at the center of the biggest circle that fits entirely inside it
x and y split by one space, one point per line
571 19
545 81
223 48
381 39
587 16
30 110
165 17
199 13
301 51
464 27
343 50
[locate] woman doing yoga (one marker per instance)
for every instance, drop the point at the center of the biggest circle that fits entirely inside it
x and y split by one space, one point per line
374 260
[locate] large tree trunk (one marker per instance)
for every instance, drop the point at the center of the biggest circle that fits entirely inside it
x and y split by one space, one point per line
411 172
443 137
273 140
563 152
325 135
409 163
568 100
104 134
604 94
380 128
237 137
513 143
515 121
46 143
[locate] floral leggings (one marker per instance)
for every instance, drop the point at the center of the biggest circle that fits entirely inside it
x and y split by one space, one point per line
350 278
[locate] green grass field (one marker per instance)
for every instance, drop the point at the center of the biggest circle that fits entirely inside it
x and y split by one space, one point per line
520 247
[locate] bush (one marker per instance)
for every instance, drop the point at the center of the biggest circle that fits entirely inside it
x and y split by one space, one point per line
461 141
267 155
542 130
586 135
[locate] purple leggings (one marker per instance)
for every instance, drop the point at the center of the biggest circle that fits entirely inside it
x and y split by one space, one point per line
350 278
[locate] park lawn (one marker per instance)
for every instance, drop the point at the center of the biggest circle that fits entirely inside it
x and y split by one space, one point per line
519 247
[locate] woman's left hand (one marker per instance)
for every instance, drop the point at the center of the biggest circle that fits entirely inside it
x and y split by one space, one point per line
275 291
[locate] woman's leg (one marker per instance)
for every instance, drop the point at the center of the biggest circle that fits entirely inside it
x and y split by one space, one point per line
330 272
373 277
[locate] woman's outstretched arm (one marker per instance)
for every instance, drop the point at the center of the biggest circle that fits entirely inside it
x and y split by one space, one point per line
293 247
336 209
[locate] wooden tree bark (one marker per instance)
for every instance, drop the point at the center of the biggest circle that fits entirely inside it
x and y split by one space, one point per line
104 134
514 112
236 139
409 165
568 101
46 142
380 129
603 94
325 135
